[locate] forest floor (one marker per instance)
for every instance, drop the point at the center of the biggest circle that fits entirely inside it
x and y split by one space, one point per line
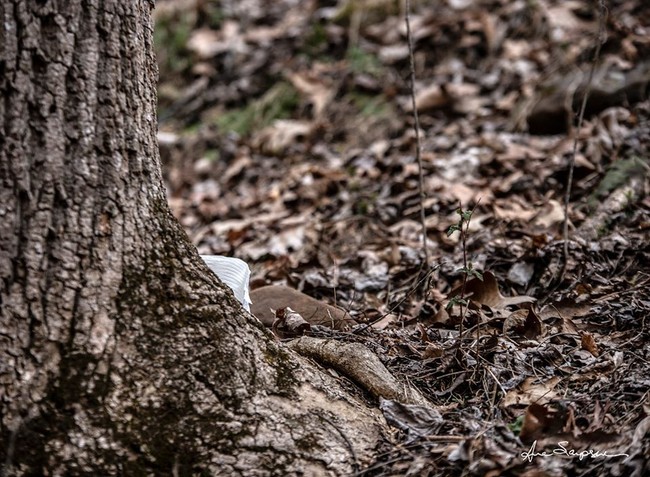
287 137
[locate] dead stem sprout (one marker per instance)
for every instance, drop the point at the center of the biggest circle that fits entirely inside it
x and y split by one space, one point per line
416 127
468 270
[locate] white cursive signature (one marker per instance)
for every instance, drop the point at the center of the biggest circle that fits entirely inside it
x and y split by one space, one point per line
561 449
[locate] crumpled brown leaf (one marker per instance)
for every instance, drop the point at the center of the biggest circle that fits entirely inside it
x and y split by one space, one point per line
414 419
542 420
486 292
288 323
525 323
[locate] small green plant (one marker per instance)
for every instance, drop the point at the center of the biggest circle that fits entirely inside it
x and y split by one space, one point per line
278 103
362 62
370 106
365 204
212 155
170 39
315 44
516 425
214 13
467 270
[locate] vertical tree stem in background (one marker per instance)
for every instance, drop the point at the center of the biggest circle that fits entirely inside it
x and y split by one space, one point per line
600 40
416 126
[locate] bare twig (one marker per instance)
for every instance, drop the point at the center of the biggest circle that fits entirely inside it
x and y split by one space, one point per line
602 16
416 127
463 236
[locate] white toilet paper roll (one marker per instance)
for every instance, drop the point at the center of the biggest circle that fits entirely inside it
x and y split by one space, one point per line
234 273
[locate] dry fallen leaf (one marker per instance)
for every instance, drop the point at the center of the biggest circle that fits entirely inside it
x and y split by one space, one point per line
524 323
531 391
206 43
541 421
315 89
551 214
512 211
277 137
588 343
432 97
288 323
432 351
486 292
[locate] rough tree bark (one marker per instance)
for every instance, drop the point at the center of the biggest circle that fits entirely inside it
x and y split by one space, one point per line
120 353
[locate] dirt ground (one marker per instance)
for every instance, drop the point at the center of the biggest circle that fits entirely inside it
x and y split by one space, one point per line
288 140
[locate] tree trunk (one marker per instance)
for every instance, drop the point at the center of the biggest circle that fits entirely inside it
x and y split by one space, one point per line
120 352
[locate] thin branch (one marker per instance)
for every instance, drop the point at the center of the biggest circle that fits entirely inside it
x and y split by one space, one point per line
463 235
416 126
600 40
